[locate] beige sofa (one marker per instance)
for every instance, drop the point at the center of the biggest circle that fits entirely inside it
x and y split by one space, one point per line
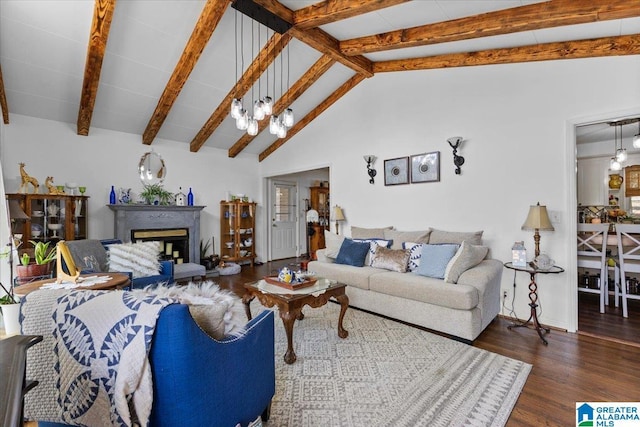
462 309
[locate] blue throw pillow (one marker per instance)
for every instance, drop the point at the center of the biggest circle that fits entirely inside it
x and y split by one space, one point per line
435 258
352 253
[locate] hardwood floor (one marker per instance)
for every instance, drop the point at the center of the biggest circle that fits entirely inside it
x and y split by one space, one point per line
572 368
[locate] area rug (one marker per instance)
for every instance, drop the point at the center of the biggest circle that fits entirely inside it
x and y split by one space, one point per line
386 373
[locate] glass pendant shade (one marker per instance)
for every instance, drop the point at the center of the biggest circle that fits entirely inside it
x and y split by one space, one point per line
287 117
621 155
267 105
273 125
236 108
636 141
252 129
258 110
242 122
282 131
614 165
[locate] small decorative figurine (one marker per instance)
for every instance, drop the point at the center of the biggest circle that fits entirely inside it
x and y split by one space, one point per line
287 276
181 199
26 180
52 189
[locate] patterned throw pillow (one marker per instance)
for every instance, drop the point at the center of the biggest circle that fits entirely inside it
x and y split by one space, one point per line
373 244
435 259
415 253
141 259
390 259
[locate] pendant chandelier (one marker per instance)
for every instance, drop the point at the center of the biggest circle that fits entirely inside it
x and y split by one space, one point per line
262 106
620 154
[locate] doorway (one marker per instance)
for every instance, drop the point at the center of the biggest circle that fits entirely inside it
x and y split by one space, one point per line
594 141
283 213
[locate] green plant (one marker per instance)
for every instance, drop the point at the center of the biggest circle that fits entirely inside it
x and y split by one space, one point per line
24 259
204 247
41 252
152 191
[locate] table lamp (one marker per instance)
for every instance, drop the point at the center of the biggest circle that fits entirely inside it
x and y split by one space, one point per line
538 219
337 215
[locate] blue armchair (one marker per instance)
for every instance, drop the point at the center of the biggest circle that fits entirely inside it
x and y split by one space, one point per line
198 381
81 249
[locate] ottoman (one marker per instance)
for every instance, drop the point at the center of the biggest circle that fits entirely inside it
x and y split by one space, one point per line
188 271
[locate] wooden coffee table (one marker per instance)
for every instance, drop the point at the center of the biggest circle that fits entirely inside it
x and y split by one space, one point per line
117 281
290 304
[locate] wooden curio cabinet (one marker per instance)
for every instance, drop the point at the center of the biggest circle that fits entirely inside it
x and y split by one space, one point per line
319 201
237 231
51 218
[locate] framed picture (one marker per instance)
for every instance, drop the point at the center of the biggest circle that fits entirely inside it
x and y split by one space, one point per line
396 171
425 167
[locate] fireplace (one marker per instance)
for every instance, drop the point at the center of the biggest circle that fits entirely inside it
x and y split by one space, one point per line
177 226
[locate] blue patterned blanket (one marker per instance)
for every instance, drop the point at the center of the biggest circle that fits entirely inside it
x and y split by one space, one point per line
93 362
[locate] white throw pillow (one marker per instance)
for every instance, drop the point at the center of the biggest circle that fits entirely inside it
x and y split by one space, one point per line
141 259
415 254
332 243
468 256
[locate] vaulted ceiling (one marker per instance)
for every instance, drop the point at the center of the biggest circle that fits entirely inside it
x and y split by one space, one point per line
170 68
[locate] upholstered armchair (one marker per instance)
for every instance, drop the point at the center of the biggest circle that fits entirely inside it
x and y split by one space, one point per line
97 250
200 381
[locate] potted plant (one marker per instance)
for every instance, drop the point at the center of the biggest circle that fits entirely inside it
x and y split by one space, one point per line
205 260
155 194
43 257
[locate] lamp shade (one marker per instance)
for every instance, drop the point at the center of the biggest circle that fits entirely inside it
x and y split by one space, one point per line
538 219
313 216
15 211
338 215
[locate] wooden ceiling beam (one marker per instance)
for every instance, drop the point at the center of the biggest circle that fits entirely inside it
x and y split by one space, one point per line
265 57
524 18
321 66
336 10
102 16
319 40
605 46
207 22
3 101
328 102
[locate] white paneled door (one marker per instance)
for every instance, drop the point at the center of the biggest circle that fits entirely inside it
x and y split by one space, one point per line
284 219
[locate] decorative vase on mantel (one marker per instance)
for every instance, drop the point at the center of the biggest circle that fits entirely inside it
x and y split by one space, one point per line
615 181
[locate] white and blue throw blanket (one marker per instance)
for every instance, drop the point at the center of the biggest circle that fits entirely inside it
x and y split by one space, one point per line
92 365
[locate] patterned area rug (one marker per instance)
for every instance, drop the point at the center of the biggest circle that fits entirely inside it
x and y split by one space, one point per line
387 374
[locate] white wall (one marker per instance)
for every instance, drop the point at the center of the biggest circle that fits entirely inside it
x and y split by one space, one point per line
514 119
106 158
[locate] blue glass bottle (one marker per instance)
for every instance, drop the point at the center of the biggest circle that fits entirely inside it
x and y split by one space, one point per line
190 197
112 196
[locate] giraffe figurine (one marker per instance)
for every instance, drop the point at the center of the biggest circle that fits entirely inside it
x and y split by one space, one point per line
26 180
52 188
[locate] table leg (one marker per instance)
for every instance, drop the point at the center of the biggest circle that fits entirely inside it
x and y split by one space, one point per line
288 319
533 317
246 299
344 304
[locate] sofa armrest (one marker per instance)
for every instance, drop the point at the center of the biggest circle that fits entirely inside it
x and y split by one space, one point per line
321 257
166 269
486 277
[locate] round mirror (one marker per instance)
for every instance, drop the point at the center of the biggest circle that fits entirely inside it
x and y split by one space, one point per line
151 168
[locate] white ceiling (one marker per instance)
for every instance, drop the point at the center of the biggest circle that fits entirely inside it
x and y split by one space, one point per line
43 46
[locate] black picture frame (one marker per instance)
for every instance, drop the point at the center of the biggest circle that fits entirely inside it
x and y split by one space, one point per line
425 167
396 171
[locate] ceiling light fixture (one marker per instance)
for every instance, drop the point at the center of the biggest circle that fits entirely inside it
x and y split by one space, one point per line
636 138
262 106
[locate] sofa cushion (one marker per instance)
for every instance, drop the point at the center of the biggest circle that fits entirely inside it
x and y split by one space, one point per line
332 243
399 237
141 258
352 253
435 258
390 259
425 289
415 253
439 236
468 256
368 233
353 276
373 244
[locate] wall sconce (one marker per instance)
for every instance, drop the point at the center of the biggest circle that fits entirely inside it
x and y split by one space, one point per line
372 172
455 142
